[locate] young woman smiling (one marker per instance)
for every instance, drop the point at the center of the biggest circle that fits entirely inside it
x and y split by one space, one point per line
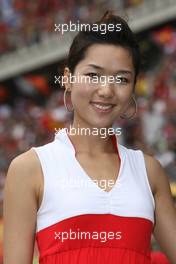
41 199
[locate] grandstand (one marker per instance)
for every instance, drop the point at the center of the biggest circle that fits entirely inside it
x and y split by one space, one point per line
32 52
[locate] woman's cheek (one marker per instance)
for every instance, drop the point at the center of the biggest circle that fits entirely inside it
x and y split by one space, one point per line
124 93
79 96
83 91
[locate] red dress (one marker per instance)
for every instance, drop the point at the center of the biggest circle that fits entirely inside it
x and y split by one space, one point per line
78 225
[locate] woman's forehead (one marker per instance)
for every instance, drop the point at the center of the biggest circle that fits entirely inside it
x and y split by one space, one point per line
106 57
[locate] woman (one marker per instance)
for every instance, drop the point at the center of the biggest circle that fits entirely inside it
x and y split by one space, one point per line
55 191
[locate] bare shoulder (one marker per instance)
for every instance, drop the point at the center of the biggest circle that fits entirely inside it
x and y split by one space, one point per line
20 208
25 169
26 163
156 174
24 157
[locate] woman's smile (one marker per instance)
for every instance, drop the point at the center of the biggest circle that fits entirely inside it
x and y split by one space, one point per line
102 107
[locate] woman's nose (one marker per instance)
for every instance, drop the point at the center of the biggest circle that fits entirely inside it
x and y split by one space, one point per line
106 89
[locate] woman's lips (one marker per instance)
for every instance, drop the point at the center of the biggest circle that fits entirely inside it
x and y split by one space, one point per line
102 107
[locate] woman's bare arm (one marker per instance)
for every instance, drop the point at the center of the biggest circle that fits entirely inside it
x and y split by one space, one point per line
165 213
20 209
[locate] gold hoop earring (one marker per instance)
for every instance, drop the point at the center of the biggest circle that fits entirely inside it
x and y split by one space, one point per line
65 103
131 116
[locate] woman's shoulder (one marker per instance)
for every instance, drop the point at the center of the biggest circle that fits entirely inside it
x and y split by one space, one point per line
26 162
25 169
150 160
155 172
152 165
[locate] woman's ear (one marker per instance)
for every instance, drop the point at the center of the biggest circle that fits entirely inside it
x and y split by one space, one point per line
66 79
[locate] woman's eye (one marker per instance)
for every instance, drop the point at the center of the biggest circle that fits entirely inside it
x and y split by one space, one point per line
92 74
122 80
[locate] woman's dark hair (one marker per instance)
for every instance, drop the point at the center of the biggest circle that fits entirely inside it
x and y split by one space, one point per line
124 38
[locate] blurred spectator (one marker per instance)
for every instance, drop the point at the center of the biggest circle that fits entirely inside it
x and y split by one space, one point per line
159 258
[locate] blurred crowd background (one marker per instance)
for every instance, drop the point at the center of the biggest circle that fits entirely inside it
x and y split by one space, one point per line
31 103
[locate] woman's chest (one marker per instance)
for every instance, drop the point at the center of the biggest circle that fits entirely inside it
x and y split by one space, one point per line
100 169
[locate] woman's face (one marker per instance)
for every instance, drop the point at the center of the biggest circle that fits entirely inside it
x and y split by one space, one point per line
111 82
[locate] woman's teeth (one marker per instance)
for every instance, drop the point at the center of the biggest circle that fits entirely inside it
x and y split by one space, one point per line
103 106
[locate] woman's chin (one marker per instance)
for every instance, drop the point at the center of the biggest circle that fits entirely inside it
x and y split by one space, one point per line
93 121
100 124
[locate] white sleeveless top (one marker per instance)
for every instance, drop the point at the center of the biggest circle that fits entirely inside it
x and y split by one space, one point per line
69 191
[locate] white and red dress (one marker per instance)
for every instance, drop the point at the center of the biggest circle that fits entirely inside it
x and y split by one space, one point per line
79 223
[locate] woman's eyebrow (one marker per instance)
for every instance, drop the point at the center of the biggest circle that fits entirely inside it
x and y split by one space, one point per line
121 71
124 72
96 66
